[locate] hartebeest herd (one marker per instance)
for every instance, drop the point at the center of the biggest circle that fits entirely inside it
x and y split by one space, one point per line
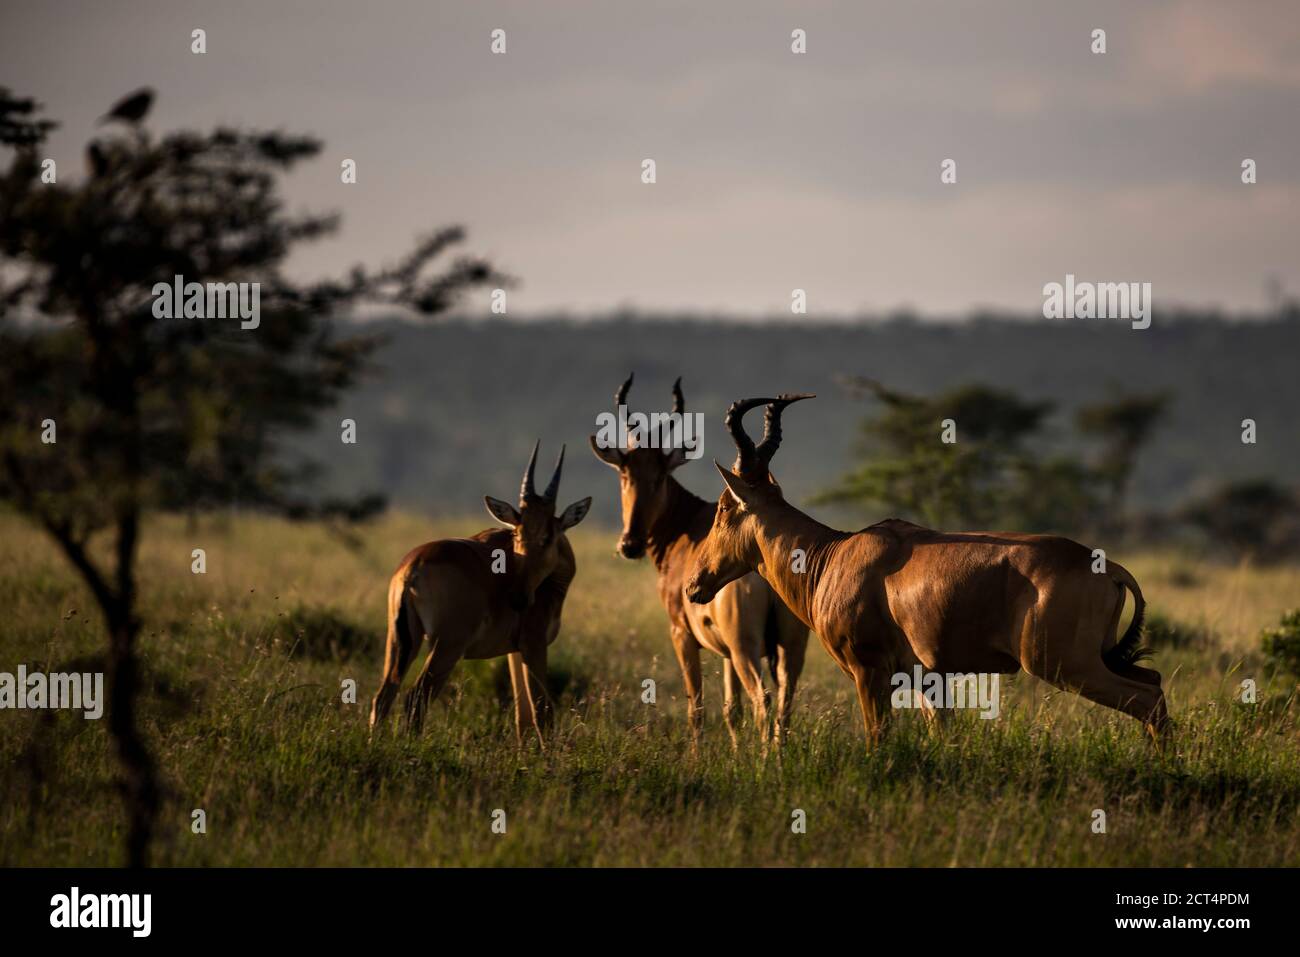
749 576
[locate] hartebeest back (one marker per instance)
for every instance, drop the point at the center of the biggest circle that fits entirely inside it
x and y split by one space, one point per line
744 623
497 593
895 594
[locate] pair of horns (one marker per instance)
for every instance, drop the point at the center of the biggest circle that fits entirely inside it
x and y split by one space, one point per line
752 460
679 403
528 490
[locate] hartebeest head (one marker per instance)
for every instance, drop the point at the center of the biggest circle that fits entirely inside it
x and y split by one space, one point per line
537 530
643 474
731 549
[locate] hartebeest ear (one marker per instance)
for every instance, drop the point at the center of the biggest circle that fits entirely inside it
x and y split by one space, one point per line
735 484
503 512
611 457
575 513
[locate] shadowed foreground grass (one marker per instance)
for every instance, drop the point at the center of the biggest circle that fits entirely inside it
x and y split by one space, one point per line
245 712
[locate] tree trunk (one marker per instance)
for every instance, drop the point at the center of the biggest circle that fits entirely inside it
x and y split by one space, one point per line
139 783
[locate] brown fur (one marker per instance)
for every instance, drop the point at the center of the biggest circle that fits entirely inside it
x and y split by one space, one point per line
446 593
743 623
896 594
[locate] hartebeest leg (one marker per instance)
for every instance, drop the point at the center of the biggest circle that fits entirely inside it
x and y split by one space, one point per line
1157 723
437 669
751 679
525 713
1139 698
872 676
936 719
1134 691
789 665
403 638
534 672
688 656
730 700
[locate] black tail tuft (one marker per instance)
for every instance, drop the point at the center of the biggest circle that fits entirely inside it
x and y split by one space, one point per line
1129 650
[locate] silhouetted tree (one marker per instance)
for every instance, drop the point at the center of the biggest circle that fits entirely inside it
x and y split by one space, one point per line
984 478
1255 518
1123 425
153 413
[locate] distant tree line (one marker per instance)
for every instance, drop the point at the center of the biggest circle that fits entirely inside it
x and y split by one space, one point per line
976 456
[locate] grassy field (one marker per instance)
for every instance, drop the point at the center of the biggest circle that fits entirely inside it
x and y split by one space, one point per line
246 716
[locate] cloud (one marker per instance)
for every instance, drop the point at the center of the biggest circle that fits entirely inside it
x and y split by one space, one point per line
1197 47
775 170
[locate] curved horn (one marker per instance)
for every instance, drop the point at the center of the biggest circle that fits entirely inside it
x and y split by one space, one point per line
620 397
528 488
679 403
745 452
553 486
772 425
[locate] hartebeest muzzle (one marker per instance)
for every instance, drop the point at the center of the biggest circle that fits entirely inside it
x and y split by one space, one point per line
630 547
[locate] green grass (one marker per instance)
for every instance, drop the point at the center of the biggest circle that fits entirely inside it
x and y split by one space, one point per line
244 712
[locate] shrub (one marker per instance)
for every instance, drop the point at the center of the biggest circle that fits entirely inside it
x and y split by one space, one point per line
1281 643
321 634
1161 631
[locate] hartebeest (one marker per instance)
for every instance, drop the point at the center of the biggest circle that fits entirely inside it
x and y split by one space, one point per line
895 594
744 623
498 593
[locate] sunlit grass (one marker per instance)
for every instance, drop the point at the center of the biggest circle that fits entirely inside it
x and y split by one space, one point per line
260 739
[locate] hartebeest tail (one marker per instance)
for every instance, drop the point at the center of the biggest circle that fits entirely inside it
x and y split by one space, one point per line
1129 650
896 596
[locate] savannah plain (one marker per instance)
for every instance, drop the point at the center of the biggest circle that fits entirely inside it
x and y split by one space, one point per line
245 711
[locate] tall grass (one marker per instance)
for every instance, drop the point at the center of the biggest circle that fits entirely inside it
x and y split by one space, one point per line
244 667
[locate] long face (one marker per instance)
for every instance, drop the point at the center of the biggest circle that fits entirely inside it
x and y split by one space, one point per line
536 532
730 550
536 541
643 476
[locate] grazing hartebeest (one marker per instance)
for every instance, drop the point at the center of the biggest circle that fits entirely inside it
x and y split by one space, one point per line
744 623
895 594
497 593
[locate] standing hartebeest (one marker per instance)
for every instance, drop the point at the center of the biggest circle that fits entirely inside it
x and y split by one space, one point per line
744 623
894 595
498 593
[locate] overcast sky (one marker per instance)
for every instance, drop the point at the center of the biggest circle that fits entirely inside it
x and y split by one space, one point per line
775 170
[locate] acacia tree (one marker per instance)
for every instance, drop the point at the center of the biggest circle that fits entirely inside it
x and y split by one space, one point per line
1248 518
1123 425
111 412
984 477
